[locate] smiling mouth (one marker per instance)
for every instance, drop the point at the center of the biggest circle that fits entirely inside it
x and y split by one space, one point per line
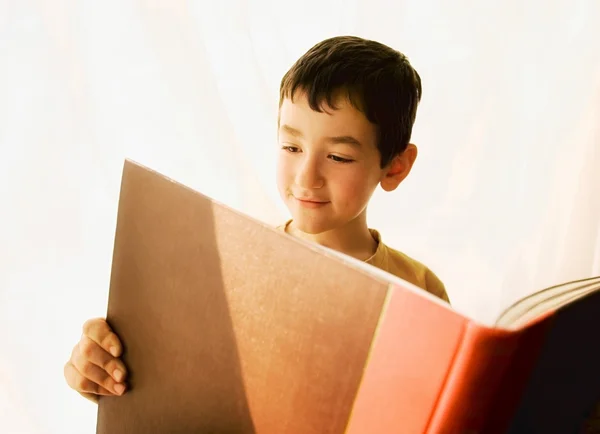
311 200
312 203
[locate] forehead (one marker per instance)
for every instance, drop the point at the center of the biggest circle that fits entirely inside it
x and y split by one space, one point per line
343 120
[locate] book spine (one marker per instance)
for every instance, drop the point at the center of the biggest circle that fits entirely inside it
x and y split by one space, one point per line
487 379
409 359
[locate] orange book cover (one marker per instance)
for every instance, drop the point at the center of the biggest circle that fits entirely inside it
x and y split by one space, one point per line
230 326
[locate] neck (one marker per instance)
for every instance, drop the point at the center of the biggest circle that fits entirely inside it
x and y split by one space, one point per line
353 239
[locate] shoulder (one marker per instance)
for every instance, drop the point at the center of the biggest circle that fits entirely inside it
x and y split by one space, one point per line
415 272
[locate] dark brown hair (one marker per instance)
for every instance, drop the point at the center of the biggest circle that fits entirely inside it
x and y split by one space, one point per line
378 80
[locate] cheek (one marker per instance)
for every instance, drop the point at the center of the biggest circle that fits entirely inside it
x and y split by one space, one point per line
284 171
355 188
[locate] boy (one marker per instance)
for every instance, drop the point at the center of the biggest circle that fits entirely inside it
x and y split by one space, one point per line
346 113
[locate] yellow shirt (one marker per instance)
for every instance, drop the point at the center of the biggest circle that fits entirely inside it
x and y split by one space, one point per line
406 268
402 266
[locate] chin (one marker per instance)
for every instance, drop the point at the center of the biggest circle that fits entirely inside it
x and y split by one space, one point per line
312 227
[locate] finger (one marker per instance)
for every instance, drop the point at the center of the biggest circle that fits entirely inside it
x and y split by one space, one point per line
92 352
100 332
95 373
81 384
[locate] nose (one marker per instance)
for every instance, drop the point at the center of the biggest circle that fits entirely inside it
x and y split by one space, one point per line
309 174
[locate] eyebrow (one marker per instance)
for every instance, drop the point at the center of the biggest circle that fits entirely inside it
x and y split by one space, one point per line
349 140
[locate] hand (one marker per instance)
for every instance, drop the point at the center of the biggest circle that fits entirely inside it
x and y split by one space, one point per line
94 367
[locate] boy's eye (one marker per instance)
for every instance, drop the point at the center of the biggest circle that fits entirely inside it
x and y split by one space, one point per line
338 159
290 148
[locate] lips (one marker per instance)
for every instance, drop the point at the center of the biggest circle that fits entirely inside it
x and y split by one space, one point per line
311 200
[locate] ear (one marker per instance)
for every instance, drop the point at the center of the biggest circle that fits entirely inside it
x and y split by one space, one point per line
399 168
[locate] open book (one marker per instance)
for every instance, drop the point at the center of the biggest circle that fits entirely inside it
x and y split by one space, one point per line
231 326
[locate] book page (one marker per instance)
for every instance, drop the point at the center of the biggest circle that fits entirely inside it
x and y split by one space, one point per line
538 303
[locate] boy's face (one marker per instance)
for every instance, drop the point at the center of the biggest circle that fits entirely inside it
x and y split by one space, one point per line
328 165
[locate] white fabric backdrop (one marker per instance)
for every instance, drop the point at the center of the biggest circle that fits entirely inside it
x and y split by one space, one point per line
504 198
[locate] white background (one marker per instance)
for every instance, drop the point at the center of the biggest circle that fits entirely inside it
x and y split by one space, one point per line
504 198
